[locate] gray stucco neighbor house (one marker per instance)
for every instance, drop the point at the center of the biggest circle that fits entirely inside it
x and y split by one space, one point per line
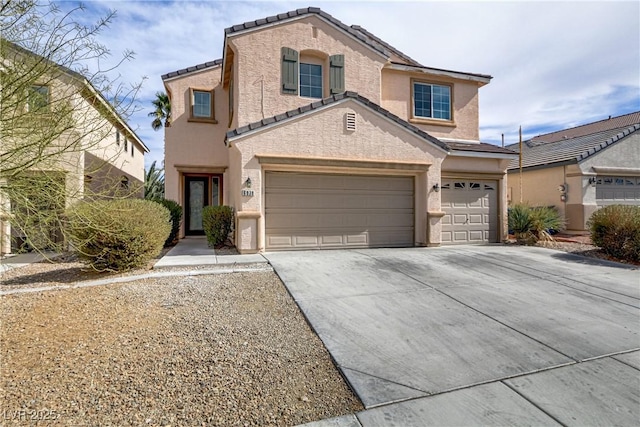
580 169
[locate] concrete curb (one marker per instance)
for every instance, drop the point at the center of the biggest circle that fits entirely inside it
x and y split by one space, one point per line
244 268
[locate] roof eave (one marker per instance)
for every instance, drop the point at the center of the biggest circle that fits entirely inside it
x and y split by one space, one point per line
481 79
483 154
232 32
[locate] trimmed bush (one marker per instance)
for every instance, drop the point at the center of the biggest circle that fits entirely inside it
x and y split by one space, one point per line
118 235
218 223
616 230
175 211
530 224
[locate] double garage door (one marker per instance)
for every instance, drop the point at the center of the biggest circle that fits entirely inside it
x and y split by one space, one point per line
323 211
471 211
612 190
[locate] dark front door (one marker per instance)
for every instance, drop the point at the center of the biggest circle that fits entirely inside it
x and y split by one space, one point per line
196 198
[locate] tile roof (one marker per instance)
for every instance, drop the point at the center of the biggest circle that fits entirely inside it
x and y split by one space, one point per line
191 69
406 58
481 147
571 150
308 11
625 120
331 100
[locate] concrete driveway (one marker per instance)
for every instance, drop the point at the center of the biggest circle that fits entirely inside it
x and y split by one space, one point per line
475 335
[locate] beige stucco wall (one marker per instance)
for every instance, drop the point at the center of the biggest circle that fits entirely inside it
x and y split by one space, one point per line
197 145
397 98
321 134
258 64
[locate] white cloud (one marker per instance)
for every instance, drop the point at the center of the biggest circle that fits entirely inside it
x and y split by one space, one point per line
555 64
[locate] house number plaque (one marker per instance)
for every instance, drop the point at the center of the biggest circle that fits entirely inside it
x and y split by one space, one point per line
248 193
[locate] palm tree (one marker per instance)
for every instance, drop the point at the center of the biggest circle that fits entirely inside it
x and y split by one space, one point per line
154 183
162 113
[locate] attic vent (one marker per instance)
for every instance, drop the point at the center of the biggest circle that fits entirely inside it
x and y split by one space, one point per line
350 121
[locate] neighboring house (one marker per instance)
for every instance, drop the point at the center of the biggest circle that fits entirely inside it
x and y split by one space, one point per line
581 169
321 135
96 153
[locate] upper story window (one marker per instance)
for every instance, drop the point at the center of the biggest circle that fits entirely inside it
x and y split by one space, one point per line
311 80
125 145
118 137
308 77
201 106
431 101
38 98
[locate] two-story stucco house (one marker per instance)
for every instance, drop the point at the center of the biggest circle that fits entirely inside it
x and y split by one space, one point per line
61 127
320 135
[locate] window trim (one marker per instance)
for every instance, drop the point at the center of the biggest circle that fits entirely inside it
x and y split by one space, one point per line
212 117
431 120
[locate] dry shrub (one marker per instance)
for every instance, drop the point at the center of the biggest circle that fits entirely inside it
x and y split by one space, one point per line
118 235
616 230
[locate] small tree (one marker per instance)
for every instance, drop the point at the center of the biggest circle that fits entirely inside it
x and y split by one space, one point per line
56 108
162 112
154 183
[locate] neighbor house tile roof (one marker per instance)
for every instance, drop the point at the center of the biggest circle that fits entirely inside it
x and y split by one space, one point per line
588 129
199 67
331 100
538 154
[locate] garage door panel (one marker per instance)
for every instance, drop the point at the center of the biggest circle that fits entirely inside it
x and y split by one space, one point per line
472 206
331 211
475 219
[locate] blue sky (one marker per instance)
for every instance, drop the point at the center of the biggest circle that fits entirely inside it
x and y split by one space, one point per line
555 64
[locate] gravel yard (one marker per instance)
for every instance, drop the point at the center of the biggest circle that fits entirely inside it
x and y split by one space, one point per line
223 349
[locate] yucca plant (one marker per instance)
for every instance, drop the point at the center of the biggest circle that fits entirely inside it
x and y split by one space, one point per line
531 224
543 220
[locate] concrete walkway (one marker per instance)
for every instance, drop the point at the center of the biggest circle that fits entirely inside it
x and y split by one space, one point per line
15 261
195 252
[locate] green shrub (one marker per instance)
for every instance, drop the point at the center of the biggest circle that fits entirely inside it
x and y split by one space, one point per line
218 223
117 235
530 224
616 230
175 211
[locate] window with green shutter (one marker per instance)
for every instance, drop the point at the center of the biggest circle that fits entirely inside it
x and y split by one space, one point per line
336 74
289 71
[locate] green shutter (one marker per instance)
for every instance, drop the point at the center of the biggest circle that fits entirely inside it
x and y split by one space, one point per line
289 71
336 74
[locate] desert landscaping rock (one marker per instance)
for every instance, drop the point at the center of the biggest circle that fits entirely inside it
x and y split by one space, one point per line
224 349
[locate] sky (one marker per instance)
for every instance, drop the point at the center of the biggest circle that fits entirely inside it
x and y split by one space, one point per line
554 64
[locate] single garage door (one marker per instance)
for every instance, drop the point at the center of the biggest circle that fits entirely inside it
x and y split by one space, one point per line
324 211
471 211
617 190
